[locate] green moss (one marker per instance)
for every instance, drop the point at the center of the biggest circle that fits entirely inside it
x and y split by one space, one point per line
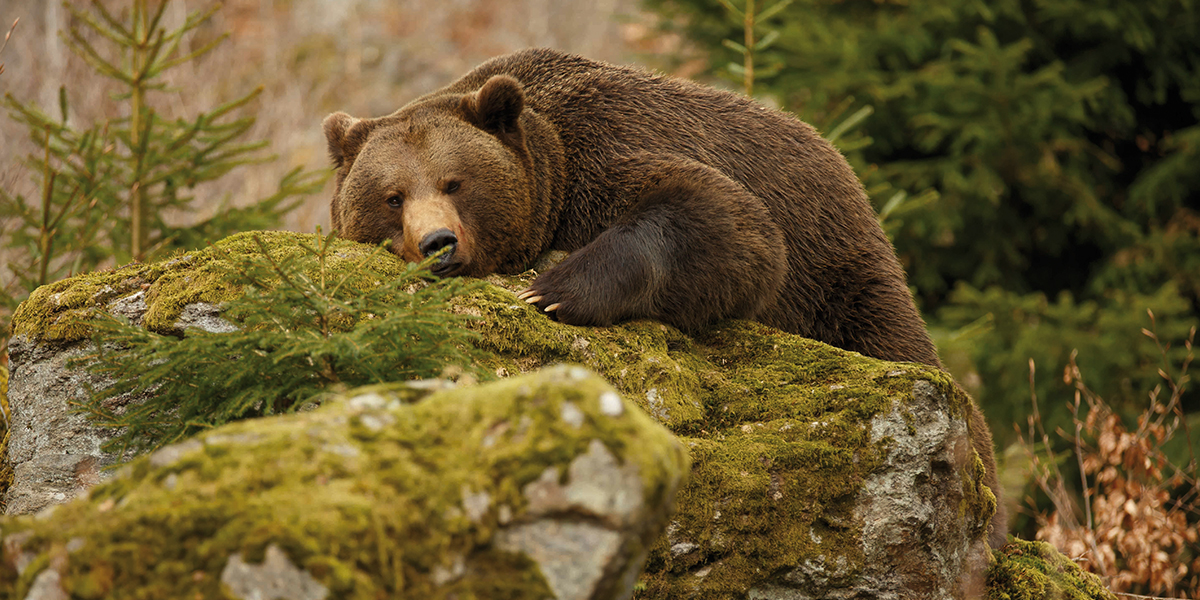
60 311
1024 570
777 428
651 363
366 495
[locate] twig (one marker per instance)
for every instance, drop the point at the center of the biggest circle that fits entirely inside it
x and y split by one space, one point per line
1128 595
6 36
1057 493
1080 389
1177 386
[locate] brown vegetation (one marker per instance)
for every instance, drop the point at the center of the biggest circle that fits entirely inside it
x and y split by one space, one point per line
1135 524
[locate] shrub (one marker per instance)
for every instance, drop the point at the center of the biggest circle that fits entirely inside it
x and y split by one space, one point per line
299 337
1136 523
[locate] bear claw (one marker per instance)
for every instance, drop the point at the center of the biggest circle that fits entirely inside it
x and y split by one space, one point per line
525 294
534 299
553 307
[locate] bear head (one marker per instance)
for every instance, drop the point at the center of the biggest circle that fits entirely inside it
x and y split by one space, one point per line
450 173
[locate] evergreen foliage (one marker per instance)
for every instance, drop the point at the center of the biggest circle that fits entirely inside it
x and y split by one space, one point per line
1062 138
299 337
107 188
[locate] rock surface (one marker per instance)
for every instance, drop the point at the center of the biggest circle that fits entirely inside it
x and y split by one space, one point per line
54 449
55 452
467 493
816 472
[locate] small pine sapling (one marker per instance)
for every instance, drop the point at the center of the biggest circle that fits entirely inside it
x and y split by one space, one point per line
106 189
299 338
751 45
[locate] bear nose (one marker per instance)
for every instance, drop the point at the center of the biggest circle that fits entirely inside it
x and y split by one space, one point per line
436 241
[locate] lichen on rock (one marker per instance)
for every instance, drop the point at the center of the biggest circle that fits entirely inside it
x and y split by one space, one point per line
369 497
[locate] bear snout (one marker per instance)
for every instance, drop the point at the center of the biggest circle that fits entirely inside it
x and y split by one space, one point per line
436 241
432 225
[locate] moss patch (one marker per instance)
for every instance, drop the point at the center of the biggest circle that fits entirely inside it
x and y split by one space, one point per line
367 495
776 424
778 463
1024 570
60 311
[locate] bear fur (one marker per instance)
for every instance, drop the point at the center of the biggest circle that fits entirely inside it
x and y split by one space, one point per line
677 202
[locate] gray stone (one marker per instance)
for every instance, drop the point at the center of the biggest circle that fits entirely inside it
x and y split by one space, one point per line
169 455
54 450
275 579
574 557
132 307
204 316
47 586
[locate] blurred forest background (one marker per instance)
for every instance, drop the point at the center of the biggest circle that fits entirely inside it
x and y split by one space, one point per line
1036 163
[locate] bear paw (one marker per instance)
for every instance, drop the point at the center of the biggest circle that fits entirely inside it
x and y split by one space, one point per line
558 309
530 296
565 306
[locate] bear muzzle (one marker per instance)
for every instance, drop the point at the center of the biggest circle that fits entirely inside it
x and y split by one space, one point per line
444 241
432 226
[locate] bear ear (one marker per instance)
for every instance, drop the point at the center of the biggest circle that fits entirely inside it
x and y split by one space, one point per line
497 106
336 126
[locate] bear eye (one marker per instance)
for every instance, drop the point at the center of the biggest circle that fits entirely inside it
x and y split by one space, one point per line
395 201
452 186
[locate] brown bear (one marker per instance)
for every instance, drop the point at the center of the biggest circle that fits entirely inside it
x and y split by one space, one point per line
677 202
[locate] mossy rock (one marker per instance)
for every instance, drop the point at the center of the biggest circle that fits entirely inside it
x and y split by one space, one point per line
373 496
789 437
1023 570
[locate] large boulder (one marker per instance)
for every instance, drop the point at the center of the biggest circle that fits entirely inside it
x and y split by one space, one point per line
541 486
815 472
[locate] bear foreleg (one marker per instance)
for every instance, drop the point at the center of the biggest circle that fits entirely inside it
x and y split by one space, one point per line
694 247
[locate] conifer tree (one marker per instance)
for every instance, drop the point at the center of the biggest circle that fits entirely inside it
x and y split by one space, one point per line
1062 138
106 188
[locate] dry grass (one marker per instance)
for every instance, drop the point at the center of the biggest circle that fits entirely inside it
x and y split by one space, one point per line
1135 524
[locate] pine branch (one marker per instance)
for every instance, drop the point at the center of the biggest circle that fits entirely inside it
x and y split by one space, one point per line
298 335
